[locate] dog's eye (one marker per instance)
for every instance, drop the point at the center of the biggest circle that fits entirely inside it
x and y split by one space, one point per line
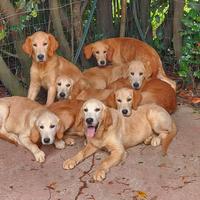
41 127
52 126
85 110
59 84
119 100
35 45
68 85
97 52
129 99
97 109
104 51
132 73
141 73
44 44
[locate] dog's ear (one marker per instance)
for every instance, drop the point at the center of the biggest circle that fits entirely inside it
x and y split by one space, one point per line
110 53
27 46
137 98
111 101
60 130
34 135
79 121
87 51
107 118
53 45
148 70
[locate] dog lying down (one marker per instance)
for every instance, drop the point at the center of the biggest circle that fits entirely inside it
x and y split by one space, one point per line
106 128
25 122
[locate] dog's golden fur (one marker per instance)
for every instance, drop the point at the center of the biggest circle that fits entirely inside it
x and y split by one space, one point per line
67 111
46 65
116 133
123 50
100 78
21 119
153 91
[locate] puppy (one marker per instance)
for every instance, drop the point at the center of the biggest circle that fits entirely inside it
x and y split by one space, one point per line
106 128
123 50
26 122
46 65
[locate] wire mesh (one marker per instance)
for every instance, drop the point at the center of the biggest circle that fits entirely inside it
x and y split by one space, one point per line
39 21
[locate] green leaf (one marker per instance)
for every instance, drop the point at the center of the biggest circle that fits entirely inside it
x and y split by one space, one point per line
2 34
182 73
33 13
197 74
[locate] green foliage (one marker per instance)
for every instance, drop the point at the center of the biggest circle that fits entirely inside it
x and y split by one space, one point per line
158 14
190 59
29 10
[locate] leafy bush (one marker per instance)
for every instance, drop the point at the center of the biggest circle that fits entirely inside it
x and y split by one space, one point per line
190 59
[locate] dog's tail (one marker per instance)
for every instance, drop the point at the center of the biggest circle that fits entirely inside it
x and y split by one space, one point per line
3 137
166 141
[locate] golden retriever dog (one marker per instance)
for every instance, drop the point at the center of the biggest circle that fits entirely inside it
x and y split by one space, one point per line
81 90
46 65
67 111
64 85
100 78
106 128
25 122
154 91
123 50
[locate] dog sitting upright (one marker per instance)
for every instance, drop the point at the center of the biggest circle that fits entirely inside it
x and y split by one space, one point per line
46 65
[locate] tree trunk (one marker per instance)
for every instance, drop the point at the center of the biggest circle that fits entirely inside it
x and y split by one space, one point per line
10 81
123 19
168 26
77 21
177 28
18 37
58 28
104 18
145 20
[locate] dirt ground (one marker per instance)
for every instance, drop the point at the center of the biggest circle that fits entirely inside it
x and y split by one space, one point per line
145 174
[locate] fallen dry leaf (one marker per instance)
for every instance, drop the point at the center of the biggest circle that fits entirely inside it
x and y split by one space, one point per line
196 100
140 195
52 186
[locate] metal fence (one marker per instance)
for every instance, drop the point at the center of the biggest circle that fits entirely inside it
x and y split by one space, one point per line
32 20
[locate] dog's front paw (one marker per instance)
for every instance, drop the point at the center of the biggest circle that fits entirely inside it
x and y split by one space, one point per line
39 156
59 144
69 164
155 141
69 141
99 175
148 140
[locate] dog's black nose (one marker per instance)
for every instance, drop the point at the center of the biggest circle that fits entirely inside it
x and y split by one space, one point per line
124 111
89 120
102 62
62 94
46 140
136 85
40 57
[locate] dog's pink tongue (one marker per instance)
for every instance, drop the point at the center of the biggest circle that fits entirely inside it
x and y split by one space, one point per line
90 132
